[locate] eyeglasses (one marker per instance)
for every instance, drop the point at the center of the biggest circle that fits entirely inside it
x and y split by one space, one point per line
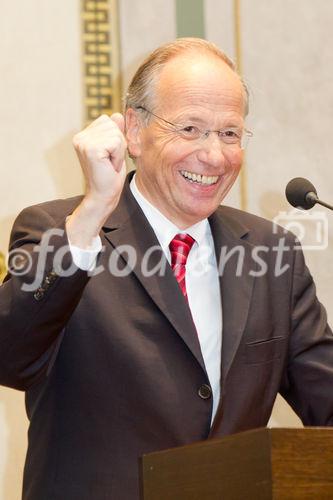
229 136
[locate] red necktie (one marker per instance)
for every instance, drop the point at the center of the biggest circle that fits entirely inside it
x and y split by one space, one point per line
180 247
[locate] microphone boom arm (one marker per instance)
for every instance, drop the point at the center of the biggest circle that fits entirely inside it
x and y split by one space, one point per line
312 197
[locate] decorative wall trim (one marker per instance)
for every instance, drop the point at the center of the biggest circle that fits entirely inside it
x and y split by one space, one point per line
2 267
190 18
238 52
100 57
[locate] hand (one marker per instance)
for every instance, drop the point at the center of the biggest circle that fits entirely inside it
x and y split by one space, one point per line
101 151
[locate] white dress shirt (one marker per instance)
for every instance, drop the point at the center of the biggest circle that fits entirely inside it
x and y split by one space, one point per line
202 283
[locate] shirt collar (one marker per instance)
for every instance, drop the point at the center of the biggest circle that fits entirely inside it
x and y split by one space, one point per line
164 229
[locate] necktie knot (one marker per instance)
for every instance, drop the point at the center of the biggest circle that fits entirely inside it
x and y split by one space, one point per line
180 247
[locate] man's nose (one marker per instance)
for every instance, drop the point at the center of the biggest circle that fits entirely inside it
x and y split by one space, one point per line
211 150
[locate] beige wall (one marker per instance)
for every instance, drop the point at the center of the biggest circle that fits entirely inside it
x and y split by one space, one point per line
41 103
287 61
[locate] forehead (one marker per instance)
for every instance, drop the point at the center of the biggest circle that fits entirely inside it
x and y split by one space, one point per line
201 81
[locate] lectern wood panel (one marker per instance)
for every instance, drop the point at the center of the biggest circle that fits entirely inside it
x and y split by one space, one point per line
263 464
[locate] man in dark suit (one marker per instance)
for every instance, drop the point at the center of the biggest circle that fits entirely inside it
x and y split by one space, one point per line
147 318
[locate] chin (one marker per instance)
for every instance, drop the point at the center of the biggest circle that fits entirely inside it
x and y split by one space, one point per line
193 218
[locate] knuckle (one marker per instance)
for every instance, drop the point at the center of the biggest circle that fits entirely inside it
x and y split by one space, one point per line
76 141
103 118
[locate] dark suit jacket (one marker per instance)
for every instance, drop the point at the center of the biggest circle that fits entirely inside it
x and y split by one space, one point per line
112 364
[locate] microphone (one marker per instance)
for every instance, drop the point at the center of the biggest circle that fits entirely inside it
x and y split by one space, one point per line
302 194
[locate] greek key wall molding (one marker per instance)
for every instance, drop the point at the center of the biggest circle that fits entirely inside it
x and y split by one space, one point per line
2 267
100 57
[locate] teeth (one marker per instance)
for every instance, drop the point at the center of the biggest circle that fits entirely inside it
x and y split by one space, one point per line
200 179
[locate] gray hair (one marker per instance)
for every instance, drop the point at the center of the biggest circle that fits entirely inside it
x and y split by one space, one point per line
141 91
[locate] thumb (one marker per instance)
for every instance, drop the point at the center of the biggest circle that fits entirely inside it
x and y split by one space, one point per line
119 120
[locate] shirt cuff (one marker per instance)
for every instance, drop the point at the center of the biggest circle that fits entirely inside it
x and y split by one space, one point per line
85 259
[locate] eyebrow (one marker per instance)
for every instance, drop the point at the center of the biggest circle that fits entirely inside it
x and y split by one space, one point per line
191 118
229 123
201 124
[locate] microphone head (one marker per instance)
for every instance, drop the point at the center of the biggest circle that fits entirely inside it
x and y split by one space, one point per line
298 193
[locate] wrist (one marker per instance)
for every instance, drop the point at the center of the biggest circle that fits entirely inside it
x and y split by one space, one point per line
96 207
85 223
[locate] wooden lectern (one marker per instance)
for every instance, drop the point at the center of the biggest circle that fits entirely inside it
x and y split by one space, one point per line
253 465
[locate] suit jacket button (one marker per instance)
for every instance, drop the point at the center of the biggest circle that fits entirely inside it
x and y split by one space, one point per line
52 276
205 392
39 294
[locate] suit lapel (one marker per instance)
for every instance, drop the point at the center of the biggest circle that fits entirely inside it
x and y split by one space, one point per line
128 226
236 284
233 254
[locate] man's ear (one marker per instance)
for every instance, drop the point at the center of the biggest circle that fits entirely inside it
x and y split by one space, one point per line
133 127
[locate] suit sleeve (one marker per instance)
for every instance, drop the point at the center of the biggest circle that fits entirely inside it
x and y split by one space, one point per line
37 298
309 383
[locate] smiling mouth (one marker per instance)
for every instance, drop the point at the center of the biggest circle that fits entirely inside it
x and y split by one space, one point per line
199 179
